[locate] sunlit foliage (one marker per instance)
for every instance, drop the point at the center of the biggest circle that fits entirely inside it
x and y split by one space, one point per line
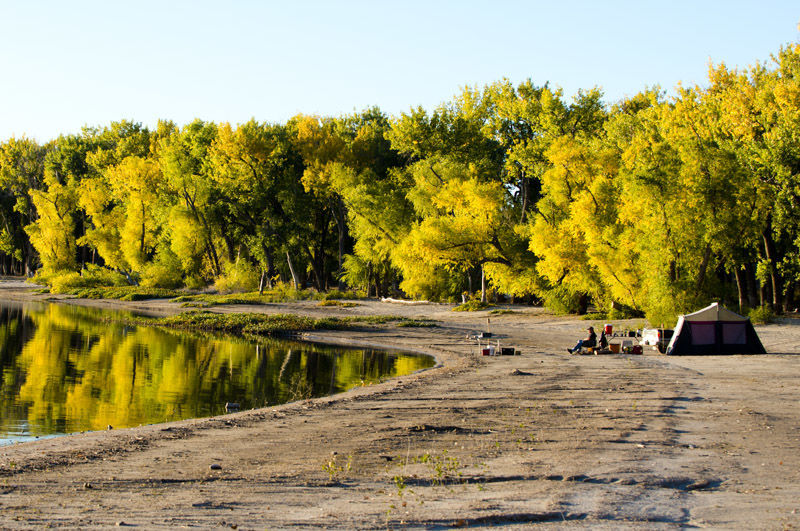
651 204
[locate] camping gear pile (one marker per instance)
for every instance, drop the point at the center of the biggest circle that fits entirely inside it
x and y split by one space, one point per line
710 331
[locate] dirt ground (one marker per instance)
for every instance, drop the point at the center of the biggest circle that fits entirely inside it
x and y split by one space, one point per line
546 438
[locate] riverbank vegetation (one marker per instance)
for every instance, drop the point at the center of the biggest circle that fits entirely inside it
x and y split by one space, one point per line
259 324
651 204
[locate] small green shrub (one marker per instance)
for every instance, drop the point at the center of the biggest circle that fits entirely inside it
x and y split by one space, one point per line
285 292
160 275
195 282
336 294
473 306
615 314
64 282
560 301
238 276
762 315
503 312
91 277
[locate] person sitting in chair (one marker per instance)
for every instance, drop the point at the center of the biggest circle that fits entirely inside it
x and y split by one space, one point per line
590 341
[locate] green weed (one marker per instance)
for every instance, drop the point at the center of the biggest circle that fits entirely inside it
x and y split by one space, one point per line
337 471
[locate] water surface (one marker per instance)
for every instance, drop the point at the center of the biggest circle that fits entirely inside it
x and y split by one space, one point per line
67 369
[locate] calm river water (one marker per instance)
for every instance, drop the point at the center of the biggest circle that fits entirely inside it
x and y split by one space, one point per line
66 369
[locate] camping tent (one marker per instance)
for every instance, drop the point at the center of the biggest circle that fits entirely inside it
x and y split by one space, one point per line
714 330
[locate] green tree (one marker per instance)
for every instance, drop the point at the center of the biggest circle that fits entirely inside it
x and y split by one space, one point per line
194 220
348 165
258 174
21 170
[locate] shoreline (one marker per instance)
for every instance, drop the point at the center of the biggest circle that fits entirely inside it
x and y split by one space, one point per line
620 441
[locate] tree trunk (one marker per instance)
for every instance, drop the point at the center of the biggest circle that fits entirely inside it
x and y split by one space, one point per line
788 297
211 249
701 274
387 280
769 249
229 246
270 267
583 304
377 280
752 285
261 282
483 285
295 279
313 259
341 226
211 252
740 287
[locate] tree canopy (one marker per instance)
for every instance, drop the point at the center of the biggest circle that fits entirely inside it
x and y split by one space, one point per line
653 204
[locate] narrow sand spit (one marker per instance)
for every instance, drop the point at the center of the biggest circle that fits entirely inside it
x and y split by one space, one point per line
611 442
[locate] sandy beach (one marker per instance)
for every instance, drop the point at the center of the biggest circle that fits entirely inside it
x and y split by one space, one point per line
546 438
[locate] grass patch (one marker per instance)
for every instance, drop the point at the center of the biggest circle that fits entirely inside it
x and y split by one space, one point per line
123 293
245 323
499 311
597 316
258 324
207 300
418 323
337 303
281 293
336 294
473 306
371 319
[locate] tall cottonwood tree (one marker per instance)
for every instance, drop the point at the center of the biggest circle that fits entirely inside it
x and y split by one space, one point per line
258 172
21 171
351 166
194 221
461 217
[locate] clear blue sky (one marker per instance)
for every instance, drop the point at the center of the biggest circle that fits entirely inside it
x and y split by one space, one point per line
68 64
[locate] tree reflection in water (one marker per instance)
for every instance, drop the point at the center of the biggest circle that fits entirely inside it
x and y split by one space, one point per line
67 369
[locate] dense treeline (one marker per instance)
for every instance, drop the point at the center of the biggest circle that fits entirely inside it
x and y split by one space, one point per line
653 204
